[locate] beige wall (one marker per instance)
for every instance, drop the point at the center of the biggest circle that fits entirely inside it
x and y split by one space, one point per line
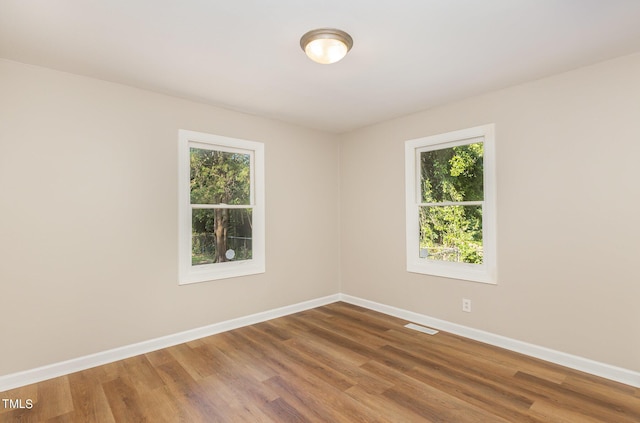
568 151
88 227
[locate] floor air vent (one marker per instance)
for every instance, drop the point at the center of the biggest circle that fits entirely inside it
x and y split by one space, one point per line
421 328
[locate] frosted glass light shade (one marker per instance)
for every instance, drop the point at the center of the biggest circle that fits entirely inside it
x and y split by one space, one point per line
325 50
326 45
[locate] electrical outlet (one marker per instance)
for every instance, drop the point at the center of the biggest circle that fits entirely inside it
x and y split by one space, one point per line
466 305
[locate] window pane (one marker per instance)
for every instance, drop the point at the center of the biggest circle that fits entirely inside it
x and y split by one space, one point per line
220 235
452 174
451 233
219 177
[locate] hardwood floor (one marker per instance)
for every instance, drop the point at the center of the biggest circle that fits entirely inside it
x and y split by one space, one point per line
337 363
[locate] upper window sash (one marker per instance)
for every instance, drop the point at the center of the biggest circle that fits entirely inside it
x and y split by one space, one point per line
439 144
227 149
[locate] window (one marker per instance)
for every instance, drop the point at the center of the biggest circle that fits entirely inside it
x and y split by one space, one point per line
221 212
450 205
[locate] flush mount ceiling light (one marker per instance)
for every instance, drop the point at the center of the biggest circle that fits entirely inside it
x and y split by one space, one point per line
326 45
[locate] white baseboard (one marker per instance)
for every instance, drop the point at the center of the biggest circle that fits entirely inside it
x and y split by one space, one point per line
50 371
39 374
586 365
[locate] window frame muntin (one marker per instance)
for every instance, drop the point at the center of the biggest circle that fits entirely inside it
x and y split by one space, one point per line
485 272
187 272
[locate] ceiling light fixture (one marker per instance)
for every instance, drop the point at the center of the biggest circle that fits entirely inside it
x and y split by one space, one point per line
326 45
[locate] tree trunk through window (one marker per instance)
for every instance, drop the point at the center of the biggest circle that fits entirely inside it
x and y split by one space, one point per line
221 228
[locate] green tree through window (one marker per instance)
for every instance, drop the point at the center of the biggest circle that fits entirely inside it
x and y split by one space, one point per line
221 179
450 213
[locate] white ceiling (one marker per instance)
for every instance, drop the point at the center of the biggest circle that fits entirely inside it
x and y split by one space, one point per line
408 55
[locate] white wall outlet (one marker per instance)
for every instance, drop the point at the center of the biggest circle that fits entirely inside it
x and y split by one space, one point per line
466 305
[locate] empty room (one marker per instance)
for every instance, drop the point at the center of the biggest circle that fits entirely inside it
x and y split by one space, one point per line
319 211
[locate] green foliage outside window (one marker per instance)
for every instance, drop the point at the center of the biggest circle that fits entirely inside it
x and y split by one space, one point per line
452 232
220 178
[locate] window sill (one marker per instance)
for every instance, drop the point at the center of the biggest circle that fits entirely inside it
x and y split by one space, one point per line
211 272
461 271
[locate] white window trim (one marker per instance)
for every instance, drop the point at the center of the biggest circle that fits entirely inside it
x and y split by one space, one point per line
201 273
485 272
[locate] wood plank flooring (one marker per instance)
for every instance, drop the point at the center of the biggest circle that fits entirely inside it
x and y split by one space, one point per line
337 363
